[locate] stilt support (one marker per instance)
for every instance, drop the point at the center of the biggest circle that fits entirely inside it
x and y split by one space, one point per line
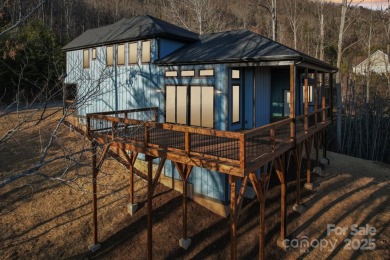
95 246
184 171
308 146
279 167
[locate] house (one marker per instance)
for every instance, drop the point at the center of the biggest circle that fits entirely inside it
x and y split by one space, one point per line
224 104
378 62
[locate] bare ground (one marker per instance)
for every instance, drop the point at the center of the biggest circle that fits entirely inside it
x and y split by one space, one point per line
48 215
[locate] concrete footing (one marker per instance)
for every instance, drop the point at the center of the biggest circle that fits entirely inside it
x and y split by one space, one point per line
93 248
282 244
185 243
299 208
324 161
132 208
308 186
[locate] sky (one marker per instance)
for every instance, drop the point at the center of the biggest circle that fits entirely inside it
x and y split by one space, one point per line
373 4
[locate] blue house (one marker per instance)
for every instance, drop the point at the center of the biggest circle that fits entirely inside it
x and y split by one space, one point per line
231 81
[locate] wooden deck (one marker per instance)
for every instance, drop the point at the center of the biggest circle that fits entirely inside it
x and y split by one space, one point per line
233 153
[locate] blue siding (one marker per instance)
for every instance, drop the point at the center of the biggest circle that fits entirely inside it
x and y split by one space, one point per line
248 93
262 96
168 46
280 81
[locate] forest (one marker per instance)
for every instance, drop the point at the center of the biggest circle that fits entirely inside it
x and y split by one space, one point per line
33 32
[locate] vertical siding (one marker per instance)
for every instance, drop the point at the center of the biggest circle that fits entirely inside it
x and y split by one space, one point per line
168 46
248 93
262 95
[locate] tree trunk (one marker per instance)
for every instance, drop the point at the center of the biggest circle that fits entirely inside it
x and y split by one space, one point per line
338 75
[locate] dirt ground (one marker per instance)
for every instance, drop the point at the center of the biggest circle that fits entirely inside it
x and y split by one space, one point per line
48 215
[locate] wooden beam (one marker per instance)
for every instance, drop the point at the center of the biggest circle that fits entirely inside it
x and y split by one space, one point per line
292 102
323 98
94 193
233 212
279 167
305 100
308 146
158 173
103 156
298 167
150 206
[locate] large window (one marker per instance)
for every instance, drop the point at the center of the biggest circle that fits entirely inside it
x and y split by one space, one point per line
235 103
86 58
145 52
133 53
120 54
110 55
309 94
202 106
176 104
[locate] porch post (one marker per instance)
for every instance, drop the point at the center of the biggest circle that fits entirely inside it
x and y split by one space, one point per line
149 204
292 102
233 212
95 246
305 99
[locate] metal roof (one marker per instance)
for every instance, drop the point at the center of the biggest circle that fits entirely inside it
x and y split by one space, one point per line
236 46
136 28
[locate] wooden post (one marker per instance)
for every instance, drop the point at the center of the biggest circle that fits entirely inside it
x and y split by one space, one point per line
233 212
292 102
298 165
308 146
150 205
283 197
131 169
323 99
95 246
315 90
88 125
146 135
305 99
242 152
324 143
262 228
331 96
187 141
272 137
184 182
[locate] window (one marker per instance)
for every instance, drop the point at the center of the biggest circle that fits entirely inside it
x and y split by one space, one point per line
206 73
202 106
235 104
176 104
109 55
86 58
145 51
187 73
133 53
94 53
235 74
120 54
309 94
172 73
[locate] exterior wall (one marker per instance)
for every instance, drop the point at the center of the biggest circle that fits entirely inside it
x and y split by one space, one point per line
377 63
262 96
168 46
117 87
205 182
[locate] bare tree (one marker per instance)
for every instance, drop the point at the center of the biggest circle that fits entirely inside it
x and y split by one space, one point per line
294 12
271 8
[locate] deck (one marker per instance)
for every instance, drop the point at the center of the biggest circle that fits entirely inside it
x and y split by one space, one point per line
233 153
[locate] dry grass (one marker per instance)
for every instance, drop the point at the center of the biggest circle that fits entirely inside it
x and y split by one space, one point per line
48 218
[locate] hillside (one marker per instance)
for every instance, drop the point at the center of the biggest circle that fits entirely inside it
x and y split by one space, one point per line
48 215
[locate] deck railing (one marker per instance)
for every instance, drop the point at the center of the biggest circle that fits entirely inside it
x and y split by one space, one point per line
238 148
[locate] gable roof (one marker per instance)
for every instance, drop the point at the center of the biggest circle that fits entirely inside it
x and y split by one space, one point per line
136 28
236 46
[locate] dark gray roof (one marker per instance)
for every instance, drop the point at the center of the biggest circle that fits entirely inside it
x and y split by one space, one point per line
235 46
136 28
